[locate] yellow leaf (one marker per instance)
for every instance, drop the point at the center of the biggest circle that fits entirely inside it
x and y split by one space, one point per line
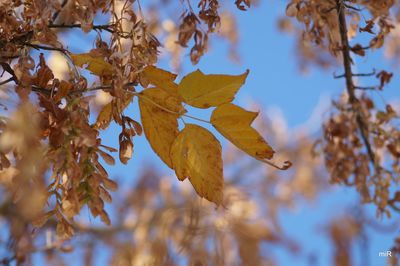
203 91
105 116
159 113
95 64
234 123
196 154
161 79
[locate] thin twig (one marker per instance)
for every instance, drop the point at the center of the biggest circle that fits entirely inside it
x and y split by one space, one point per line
55 16
106 27
329 9
40 90
356 75
43 47
6 81
366 88
356 48
6 67
101 87
352 7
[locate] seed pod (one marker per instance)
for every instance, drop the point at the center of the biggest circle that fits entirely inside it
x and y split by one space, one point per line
125 151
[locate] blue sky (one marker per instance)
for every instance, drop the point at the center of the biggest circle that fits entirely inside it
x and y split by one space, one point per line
275 81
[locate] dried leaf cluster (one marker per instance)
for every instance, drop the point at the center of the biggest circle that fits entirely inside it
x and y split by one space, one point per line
360 142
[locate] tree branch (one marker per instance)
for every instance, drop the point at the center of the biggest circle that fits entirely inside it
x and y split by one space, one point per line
347 61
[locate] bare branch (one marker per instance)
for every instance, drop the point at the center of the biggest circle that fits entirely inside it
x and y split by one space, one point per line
347 61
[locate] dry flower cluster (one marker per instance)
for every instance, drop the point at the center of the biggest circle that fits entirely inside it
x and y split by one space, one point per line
52 157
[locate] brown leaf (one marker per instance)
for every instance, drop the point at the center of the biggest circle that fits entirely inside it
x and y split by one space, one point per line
358 49
368 28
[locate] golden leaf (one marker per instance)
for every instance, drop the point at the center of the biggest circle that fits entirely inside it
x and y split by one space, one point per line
104 118
106 114
203 91
159 113
234 123
95 64
196 154
161 79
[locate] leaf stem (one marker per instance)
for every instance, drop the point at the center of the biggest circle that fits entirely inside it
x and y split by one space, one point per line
139 94
286 164
198 119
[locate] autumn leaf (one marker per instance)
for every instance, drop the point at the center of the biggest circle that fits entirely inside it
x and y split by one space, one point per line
234 123
384 78
377 41
63 90
159 113
44 74
358 49
105 116
95 64
162 79
202 91
196 154
369 27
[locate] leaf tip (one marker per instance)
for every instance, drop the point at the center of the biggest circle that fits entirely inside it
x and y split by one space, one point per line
286 165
